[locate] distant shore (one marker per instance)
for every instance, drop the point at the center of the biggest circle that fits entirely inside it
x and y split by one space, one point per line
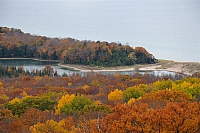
59 61
85 68
187 68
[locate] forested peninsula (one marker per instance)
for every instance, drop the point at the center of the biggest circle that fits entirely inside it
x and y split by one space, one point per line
16 44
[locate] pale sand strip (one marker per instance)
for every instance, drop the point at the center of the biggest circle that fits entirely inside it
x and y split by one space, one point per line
94 70
187 68
142 68
179 67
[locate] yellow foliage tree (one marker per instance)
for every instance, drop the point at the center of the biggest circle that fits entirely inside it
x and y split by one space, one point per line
24 94
64 100
69 83
50 126
3 97
131 101
14 100
162 85
95 83
192 89
117 75
1 84
38 78
85 87
116 95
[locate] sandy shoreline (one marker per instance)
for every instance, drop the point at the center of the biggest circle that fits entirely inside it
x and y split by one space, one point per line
89 69
187 68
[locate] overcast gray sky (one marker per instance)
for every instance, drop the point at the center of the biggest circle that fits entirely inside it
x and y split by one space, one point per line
169 29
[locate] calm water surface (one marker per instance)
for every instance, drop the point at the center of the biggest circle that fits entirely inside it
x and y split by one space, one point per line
31 65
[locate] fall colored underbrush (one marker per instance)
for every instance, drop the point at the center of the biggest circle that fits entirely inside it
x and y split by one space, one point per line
97 103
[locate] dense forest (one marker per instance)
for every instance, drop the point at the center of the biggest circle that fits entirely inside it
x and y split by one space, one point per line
94 103
15 43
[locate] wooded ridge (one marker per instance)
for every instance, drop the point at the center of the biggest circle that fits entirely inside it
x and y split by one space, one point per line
15 43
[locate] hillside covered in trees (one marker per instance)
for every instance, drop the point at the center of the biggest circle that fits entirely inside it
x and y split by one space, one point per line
14 43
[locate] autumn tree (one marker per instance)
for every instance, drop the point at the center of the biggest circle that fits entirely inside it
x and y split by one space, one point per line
6 118
190 86
138 119
50 126
18 107
174 117
162 85
33 116
76 105
132 92
160 98
181 117
66 99
116 95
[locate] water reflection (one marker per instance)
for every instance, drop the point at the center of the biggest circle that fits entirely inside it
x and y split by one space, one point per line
30 65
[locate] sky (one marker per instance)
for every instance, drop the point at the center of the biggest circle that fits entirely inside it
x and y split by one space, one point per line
169 29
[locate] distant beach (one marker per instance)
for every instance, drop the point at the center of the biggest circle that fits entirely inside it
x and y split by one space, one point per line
187 68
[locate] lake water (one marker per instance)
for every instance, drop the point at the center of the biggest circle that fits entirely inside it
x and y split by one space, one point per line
30 65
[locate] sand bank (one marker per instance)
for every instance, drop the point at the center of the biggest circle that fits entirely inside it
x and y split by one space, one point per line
187 68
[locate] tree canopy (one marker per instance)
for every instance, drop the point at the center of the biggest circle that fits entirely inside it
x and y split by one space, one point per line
15 43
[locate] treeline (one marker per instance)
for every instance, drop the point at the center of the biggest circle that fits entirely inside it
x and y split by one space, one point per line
13 71
15 43
99 103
